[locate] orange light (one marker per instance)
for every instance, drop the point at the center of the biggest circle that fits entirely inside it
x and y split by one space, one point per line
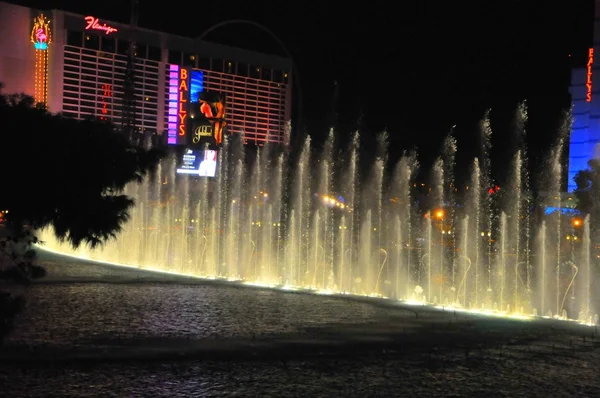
439 214
577 222
588 83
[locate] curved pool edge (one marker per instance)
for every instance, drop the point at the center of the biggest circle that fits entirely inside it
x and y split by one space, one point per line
416 307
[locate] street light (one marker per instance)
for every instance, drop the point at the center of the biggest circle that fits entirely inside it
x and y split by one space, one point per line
577 222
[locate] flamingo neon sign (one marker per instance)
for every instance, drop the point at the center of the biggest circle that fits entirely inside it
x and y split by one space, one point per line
40 33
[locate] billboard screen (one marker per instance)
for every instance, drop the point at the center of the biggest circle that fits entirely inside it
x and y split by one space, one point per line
207 123
201 163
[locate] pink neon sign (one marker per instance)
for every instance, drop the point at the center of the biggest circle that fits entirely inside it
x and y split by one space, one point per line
92 23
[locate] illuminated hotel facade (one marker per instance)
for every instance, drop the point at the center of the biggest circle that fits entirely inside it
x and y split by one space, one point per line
75 64
585 97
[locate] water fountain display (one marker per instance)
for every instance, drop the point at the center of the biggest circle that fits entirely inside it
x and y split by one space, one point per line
321 222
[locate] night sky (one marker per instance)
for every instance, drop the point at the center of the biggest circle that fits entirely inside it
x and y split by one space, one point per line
415 69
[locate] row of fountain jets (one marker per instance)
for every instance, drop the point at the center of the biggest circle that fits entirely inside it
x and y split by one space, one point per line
273 224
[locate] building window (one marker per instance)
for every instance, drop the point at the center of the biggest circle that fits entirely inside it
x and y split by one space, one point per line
265 73
189 60
217 65
75 38
204 63
175 57
229 67
140 50
154 53
277 76
92 42
123 47
254 71
242 69
108 44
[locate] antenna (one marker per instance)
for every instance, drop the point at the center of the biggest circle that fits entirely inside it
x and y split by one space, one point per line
129 106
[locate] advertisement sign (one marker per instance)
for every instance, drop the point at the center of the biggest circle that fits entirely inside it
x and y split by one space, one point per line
198 162
208 119
179 94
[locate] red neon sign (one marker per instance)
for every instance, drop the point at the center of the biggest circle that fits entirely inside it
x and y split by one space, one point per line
183 91
93 24
588 83
106 94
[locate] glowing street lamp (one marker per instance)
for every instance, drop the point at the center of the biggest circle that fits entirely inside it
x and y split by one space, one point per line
439 214
577 222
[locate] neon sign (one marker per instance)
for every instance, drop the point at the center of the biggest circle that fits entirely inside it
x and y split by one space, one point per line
41 37
106 94
173 97
182 100
588 82
179 84
40 33
93 24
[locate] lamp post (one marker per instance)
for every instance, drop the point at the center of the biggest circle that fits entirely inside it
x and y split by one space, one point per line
296 76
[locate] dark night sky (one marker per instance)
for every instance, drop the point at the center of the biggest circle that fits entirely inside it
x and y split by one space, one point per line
413 67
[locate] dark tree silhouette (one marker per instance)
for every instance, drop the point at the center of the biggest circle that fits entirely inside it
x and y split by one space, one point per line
66 173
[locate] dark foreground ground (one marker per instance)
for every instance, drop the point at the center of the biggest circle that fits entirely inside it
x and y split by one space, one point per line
384 349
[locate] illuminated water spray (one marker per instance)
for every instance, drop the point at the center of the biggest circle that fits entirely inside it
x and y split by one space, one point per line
307 219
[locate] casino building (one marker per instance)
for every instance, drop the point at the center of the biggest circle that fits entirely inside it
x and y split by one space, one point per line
585 97
75 64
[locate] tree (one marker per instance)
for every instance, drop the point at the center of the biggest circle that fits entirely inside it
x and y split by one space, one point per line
66 173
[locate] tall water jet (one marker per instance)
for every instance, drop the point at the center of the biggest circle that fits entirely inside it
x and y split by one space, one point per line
350 194
461 291
275 196
401 216
429 256
542 265
502 260
450 192
439 214
475 208
297 232
517 213
323 217
377 191
585 293
486 213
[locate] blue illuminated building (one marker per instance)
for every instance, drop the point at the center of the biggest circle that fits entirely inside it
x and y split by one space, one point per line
585 97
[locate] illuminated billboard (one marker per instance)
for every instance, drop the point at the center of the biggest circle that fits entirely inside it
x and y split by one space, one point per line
196 84
198 163
179 94
207 123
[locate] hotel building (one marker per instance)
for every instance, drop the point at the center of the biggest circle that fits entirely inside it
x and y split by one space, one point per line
75 64
585 97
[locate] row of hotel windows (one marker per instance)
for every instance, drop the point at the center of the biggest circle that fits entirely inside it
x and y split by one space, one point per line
93 86
120 46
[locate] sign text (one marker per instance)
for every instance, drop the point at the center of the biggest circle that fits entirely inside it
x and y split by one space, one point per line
93 24
182 100
588 82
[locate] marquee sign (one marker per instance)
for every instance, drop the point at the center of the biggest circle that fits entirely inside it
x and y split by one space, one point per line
588 83
179 83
